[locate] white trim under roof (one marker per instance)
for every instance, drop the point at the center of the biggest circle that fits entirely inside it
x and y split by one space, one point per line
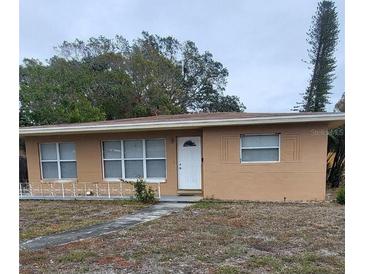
181 124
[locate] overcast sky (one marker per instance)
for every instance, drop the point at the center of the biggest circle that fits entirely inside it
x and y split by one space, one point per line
261 42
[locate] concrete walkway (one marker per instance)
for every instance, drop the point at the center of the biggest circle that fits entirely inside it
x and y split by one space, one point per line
147 214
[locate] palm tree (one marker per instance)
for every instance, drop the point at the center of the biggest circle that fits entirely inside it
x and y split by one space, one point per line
336 147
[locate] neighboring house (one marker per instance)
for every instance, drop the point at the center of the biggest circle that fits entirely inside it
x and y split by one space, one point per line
240 156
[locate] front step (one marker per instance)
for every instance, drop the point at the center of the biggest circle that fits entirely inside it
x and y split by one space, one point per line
189 192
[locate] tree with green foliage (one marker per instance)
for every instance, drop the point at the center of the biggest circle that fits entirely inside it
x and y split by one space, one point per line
322 40
205 81
111 78
54 94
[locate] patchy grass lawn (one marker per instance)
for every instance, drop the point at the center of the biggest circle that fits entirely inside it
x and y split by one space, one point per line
38 218
211 237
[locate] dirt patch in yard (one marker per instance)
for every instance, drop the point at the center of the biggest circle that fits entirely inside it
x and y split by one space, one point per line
212 238
39 218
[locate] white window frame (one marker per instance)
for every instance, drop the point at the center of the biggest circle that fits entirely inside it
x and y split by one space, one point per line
57 160
268 147
143 158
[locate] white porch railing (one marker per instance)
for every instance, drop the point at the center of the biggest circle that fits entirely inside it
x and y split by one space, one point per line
66 189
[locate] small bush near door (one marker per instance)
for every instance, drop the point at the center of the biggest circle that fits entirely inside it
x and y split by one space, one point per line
340 196
143 193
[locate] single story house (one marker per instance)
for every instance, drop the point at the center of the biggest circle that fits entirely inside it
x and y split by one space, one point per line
230 156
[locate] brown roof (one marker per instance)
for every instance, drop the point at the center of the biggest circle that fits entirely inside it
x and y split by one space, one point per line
183 117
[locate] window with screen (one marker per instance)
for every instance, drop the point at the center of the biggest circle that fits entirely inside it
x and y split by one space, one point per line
260 148
132 159
58 161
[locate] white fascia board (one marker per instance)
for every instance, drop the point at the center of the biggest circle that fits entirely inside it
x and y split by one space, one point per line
181 124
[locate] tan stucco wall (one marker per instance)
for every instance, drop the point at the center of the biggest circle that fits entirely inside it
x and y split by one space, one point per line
300 174
88 154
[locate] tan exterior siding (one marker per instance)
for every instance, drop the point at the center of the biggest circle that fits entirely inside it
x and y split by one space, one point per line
89 158
300 174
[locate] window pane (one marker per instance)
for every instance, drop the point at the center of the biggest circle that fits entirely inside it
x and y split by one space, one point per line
189 143
48 152
156 168
133 168
155 148
50 170
67 151
112 169
253 155
68 170
260 140
112 150
133 149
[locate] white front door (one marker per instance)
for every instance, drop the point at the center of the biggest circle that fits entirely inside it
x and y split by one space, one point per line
189 162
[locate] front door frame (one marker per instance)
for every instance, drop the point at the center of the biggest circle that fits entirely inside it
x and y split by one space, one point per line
201 162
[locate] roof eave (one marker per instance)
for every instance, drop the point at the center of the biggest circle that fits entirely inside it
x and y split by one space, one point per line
330 118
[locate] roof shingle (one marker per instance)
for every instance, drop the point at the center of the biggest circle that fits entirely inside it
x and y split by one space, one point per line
183 117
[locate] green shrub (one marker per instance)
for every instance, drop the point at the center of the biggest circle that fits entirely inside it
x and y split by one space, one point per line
340 196
143 193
